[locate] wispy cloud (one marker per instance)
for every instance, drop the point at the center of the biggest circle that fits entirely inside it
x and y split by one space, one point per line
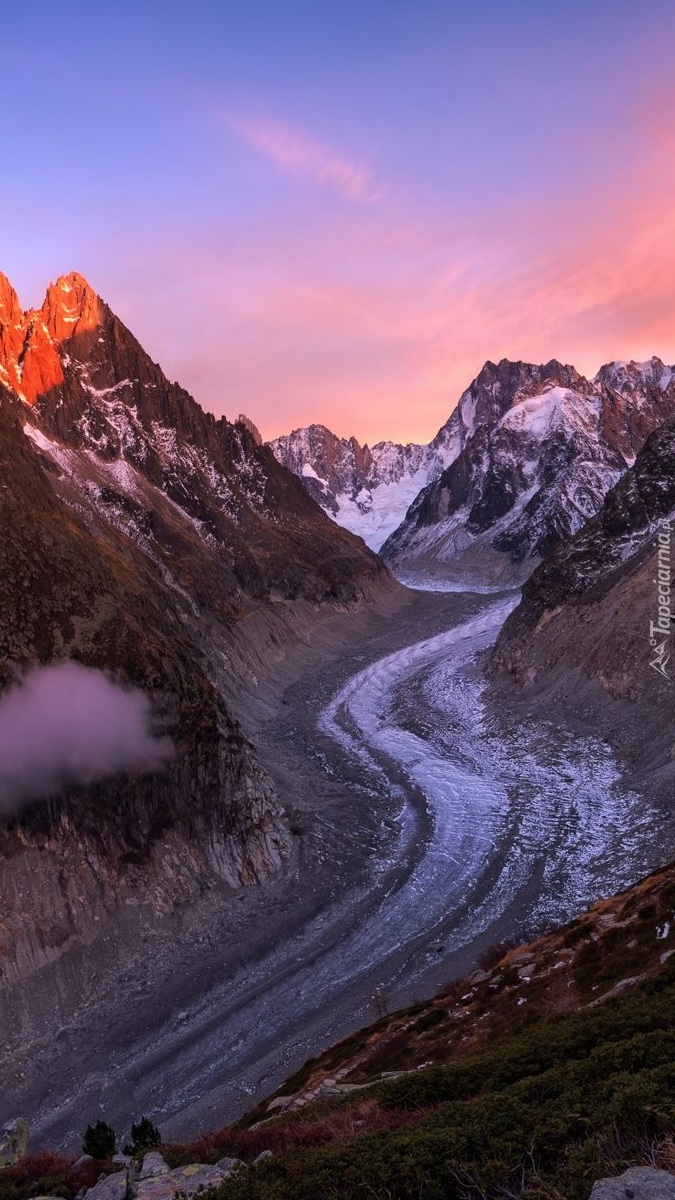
374 317
304 156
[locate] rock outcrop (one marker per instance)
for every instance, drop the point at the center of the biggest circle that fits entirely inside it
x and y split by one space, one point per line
13 1142
638 1183
588 609
156 1180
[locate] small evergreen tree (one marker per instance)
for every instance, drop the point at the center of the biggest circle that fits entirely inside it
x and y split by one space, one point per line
99 1140
144 1135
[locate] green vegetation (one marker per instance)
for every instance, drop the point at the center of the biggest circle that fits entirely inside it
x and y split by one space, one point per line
531 1079
540 1114
99 1140
144 1136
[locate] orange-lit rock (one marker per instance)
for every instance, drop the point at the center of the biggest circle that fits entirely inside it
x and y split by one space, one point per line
12 331
41 367
30 355
70 306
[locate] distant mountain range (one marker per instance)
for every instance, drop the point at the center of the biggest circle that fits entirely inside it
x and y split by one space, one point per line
524 460
366 490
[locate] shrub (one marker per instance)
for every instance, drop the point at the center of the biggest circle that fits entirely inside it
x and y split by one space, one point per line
144 1136
99 1140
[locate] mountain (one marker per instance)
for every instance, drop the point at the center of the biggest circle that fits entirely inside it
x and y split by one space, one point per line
150 544
365 489
139 454
593 623
210 815
547 446
523 461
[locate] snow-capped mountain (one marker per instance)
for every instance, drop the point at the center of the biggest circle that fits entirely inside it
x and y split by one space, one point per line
595 614
365 489
547 445
523 461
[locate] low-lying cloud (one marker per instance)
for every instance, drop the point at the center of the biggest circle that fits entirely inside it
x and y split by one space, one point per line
68 724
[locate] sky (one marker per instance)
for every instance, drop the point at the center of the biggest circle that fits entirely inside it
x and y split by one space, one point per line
336 212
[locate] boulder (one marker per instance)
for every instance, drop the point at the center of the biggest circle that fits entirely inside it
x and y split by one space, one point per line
110 1187
13 1141
640 1183
262 1157
228 1165
187 1181
153 1165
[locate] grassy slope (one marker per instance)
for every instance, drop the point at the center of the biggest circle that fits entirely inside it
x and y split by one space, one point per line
542 1072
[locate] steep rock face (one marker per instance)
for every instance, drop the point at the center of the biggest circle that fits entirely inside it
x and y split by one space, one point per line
30 363
90 388
365 489
546 447
635 399
587 609
152 841
138 530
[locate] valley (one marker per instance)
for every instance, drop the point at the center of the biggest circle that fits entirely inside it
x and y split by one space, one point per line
337 602
375 782
423 836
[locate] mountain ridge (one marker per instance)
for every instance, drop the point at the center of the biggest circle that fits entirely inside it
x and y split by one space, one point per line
586 607
141 534
104 396
363 488
523 460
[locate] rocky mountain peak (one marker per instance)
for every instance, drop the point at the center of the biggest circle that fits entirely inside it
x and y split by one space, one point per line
255 433
624 377
636 397
367 489
10 308
30 362
139 455
11 334
499 386
70 306
540 447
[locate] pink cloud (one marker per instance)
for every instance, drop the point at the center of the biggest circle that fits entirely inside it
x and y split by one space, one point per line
373 318
299 154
